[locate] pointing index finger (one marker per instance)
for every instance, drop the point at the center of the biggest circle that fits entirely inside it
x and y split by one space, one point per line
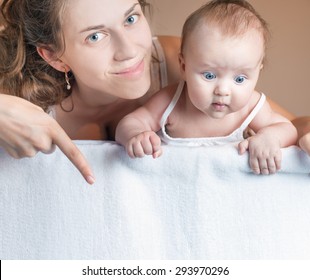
71 151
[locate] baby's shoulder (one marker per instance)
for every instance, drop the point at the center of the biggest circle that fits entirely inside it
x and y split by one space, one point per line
167 93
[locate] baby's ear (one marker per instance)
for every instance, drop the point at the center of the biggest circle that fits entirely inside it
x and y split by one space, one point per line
261 66
51 58
182 66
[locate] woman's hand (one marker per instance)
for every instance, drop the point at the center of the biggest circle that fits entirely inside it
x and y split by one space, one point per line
303 127
304 143
26 129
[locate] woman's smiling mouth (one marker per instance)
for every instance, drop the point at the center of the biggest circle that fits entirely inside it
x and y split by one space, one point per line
133 71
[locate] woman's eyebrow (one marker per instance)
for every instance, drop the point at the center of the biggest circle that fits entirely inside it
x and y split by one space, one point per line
101 26
131 9
95 27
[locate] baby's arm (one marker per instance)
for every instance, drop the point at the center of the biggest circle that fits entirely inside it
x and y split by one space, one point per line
273 132
137 131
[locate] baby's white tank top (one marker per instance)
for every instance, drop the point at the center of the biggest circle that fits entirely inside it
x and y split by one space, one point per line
235 136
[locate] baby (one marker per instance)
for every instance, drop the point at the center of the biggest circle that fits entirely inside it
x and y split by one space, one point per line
222 54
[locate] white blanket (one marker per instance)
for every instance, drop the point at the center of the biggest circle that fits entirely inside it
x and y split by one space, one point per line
191 203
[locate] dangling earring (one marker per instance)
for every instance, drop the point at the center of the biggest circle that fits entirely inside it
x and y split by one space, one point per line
67 80
69 95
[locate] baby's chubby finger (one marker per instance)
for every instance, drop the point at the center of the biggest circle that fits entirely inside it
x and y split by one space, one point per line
264 168
255 165
147 145
157 153
156 144
243 146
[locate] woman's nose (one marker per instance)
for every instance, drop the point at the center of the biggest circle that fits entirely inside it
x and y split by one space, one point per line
125 48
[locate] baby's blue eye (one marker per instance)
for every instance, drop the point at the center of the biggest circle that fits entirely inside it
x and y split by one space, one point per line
209 75
240 79
132 19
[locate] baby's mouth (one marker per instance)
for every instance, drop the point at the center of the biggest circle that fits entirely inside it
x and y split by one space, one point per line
218 106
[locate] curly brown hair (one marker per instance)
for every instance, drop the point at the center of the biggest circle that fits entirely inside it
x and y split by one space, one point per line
24 26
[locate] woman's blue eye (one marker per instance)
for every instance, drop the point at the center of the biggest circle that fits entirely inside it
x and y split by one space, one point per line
93 38
132 19
209 75
240 79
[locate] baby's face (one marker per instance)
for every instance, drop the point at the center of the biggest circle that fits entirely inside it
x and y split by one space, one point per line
221 71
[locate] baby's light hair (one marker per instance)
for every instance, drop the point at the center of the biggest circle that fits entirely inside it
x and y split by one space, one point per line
232 17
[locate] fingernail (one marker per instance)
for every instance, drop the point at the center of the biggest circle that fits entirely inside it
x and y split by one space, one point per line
90 180
156 155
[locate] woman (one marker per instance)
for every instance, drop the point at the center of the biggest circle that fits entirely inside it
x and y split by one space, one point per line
86 62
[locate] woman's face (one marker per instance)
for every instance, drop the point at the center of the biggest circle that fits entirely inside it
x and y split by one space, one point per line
108 49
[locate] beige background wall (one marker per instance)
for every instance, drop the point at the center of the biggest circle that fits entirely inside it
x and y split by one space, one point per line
286 76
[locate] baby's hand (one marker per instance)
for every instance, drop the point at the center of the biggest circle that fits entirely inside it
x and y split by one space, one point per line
145 143
265 153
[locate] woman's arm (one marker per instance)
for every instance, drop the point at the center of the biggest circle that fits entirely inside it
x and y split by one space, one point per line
280 110
302 125
26 129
